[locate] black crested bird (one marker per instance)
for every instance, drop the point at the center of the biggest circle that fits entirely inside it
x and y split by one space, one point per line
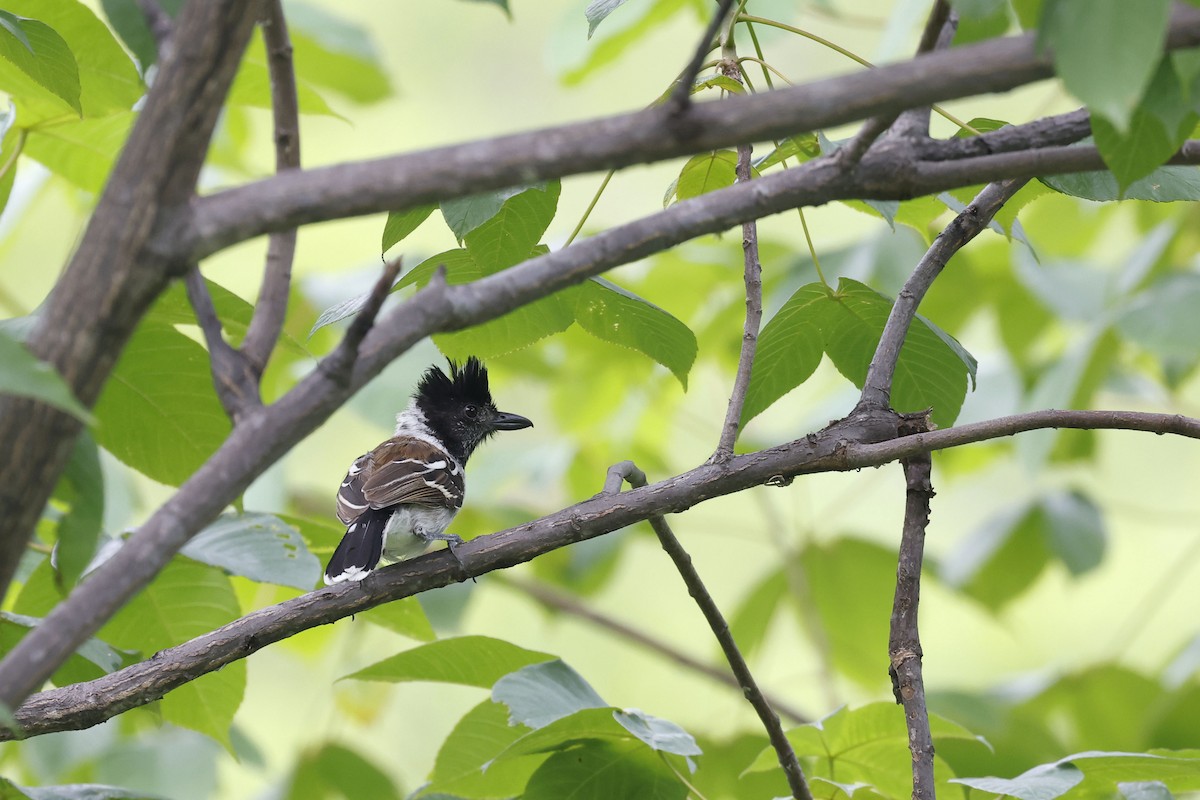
402 495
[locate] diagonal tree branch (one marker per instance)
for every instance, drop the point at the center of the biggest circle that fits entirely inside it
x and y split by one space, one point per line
112 278
405 181
835 449
963 228
720 628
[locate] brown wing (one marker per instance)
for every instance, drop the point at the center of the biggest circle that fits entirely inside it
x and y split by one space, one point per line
406 470
350 500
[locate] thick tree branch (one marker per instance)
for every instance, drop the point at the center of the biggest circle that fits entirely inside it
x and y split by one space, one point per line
271 308
938 34
963 228
569 604
111 278
720 628
405 181
836 448
904 641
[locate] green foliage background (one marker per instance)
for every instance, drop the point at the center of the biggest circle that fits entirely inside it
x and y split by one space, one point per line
1058 615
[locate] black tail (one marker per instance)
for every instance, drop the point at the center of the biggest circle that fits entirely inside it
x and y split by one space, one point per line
360 549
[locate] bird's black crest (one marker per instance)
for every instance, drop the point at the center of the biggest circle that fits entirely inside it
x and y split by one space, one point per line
468 384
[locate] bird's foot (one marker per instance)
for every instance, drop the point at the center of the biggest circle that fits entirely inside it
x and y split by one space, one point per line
452 541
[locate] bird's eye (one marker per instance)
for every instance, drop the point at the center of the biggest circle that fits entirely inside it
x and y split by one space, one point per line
471 411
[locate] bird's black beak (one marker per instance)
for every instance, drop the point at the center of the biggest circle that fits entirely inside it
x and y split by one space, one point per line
503 421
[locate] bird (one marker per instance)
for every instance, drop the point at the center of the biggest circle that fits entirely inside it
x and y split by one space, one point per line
400 497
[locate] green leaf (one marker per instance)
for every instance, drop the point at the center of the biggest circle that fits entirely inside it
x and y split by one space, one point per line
867 745
91 660
81 489
615 315
505 334
978 125
252 85
789 350
37 53
260 547
11 145
850 583
654 15
81 150
1106 51
72 791
1004 556
108 80
1144 790
1163 185
186 600
334 53
704 82
929 374
511 234
1044 782
468 660
465 214
803 147
401 223
404 616
159 413
129 22
602 771
1075 530
1163 319
752 617
1157 127
333 770
473 747
657 733
541 693
704 173
597 10
23 375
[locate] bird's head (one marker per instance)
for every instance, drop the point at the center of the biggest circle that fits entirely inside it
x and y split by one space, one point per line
458 407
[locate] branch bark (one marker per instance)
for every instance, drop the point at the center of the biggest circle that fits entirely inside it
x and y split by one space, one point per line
112 278
720 628
904 642
837 448
404 181
877 386
271 308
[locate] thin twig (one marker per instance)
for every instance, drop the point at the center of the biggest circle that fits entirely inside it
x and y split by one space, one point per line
271 308
561 601
235 383
904 642
720 629
963 228
681 95
752 269
339 364
940 20
159 22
